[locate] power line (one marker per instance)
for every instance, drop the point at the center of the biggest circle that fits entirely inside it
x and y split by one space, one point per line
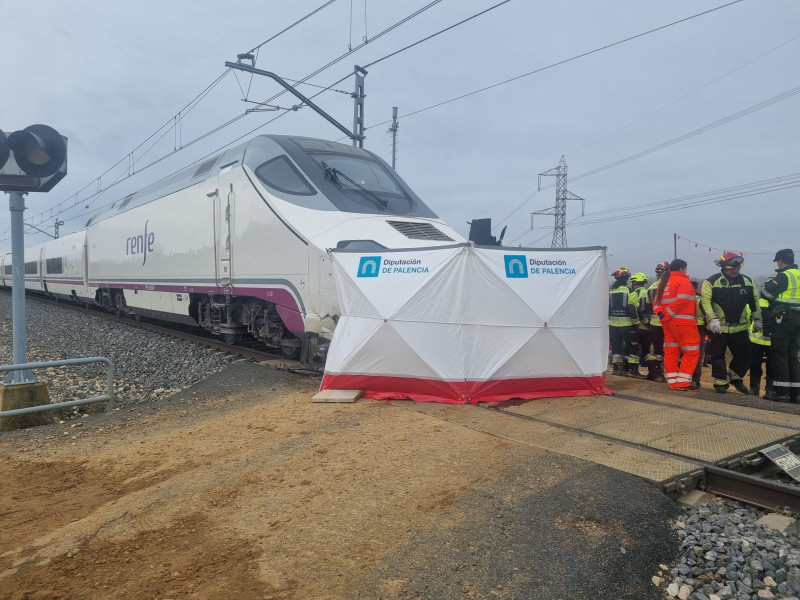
425 39
777 185
231 121
561 62
684 96
726 194
172 122
718 123
723 121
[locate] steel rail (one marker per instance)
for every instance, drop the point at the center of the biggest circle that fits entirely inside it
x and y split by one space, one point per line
752 490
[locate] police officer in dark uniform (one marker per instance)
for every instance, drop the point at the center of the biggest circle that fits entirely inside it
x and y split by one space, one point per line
783 325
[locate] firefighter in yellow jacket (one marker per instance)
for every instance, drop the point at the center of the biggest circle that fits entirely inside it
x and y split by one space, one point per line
623 321
725 298
759 353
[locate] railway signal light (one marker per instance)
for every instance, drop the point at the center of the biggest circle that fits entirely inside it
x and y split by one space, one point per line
33 159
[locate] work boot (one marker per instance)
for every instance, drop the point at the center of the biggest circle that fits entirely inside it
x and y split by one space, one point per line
721 389
661 377
616 369
652 370
740 386
777 396
755 390
633 371
692 387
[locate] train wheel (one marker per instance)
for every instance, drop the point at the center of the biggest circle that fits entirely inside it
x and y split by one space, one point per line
291 351
232 339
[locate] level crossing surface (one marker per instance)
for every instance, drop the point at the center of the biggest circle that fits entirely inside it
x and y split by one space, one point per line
644 429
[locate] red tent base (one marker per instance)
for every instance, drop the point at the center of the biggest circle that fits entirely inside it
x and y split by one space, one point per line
379 387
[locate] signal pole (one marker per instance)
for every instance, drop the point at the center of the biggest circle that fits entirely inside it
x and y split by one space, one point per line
560 209
393 130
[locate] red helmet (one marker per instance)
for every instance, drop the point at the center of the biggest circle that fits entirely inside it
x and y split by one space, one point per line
662 266
621 272
730 259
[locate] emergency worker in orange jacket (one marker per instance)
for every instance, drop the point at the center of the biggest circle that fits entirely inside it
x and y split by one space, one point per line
676 305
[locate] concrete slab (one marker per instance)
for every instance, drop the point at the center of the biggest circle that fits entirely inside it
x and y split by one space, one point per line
693 498
778 522
337 396
24 395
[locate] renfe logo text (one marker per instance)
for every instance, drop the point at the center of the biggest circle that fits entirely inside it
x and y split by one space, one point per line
141 244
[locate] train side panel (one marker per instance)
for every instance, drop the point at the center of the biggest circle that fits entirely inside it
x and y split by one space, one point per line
34 276
63 263
269 260
152 256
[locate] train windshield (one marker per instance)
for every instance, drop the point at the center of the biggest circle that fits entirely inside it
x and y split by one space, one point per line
325 175
362 180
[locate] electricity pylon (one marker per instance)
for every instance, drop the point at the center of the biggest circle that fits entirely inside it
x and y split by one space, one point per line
560 209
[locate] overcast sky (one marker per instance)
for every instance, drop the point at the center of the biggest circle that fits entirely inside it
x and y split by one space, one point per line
673 118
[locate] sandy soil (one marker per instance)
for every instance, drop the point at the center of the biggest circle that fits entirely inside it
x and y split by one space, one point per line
253 494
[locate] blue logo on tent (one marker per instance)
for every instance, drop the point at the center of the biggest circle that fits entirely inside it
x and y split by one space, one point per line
369 266
515 266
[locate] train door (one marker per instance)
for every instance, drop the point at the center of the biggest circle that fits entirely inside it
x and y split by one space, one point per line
85 265
223 231
42 278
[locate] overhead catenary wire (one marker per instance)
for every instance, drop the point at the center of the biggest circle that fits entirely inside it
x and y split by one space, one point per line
173 121
424 8
559 63
222 126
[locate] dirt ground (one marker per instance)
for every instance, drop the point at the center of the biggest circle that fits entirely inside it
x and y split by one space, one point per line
254 492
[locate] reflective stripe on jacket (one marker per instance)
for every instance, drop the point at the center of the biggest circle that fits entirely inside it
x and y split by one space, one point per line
679 300
758 337
648 304
728 300
790 294
700 314
620 312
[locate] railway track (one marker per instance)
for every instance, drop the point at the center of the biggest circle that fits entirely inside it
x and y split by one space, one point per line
741 477
250 349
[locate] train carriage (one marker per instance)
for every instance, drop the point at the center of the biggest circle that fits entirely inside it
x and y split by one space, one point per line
239 244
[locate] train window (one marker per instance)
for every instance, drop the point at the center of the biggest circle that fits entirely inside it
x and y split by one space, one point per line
7 269
54 266
126 201
280 174
31 268
365 173
360 245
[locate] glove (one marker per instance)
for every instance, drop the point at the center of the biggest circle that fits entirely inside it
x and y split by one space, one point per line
714 326
758 326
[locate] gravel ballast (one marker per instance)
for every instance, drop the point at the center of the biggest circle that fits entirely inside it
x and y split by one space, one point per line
147 366
727 554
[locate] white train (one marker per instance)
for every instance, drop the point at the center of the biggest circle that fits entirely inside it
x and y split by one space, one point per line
238 245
